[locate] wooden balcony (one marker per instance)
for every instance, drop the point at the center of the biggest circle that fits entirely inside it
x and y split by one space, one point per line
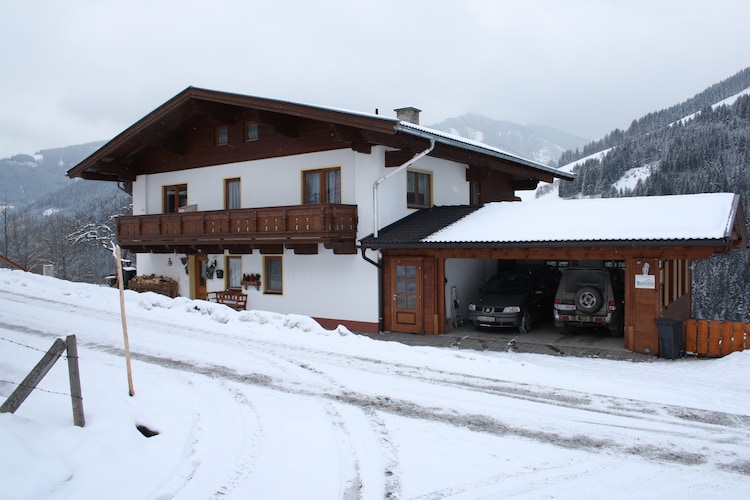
270 229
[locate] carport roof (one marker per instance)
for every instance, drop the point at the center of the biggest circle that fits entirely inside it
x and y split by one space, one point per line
696 219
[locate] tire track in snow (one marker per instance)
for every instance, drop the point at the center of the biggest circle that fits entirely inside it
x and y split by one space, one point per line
391 473
559 397
350 463
247 457
696 422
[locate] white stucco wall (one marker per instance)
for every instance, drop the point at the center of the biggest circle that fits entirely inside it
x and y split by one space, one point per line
449 187
468 276
323 285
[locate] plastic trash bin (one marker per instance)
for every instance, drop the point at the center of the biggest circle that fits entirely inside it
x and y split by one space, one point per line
670 338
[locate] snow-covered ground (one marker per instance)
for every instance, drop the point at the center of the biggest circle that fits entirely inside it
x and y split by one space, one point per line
259 405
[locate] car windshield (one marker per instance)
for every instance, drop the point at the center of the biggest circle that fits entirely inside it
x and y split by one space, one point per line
507 284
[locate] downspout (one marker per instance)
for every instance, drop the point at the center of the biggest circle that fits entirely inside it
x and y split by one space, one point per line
375 207
376 221
365 257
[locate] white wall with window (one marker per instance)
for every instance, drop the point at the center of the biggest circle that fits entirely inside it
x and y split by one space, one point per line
263 183
324 285
447 181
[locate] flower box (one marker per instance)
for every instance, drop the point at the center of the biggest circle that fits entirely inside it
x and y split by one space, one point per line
251 280
158 284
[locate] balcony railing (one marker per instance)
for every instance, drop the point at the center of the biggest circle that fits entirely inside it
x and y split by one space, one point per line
299 227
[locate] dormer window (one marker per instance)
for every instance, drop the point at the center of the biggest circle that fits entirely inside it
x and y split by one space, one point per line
222 136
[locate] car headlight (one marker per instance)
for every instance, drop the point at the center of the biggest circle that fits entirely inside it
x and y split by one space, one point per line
472 307
512 309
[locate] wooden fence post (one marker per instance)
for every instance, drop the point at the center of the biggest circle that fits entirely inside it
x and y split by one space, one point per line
33 378
74 375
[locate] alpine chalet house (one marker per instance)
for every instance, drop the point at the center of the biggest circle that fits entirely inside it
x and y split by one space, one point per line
271 199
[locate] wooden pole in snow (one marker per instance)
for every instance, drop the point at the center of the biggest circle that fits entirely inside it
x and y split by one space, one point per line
76 396
121 286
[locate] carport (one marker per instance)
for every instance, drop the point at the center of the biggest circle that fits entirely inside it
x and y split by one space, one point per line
657 238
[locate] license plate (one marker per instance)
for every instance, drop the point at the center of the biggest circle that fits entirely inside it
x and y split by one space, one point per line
486 319
583 318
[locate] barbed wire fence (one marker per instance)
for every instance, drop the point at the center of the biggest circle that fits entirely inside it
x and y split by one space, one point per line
29 384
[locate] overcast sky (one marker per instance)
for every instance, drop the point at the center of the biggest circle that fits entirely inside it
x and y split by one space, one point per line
78 71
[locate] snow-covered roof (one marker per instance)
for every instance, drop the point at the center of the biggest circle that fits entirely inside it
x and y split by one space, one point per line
709 216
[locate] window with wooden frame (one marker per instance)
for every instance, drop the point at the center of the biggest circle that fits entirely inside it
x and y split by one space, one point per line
233 276
174 197
232 194
321 186
273 279
222 135
418 189
251 131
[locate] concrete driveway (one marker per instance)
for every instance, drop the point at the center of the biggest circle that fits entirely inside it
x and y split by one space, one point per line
543 339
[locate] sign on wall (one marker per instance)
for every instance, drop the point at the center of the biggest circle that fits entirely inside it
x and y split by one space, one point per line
645 281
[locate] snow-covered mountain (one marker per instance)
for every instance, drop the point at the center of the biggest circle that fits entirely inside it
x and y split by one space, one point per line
536 142
644 166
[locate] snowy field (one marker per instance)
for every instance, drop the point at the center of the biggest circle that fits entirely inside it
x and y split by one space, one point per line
258 405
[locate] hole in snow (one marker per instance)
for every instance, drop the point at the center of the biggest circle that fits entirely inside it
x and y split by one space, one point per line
146 431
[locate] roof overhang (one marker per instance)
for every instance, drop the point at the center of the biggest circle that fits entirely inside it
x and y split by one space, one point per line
121 159
695 225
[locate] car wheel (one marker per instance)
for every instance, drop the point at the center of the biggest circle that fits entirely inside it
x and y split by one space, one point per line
525 325
588 299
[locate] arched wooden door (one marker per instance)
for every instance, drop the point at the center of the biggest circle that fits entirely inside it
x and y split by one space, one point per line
406 296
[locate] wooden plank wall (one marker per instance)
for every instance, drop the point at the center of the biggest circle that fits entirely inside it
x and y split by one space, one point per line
715 338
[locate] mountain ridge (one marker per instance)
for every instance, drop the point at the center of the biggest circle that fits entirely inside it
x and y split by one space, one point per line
541 143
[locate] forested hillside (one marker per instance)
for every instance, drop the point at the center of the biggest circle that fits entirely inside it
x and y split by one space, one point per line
26 178
707 152
712 96
43 214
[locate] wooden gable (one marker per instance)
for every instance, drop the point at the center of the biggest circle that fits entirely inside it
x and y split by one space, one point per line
181 134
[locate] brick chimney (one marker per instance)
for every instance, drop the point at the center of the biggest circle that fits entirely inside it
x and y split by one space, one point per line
409 114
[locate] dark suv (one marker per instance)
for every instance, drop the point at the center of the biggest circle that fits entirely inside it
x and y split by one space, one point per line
516 298
590 298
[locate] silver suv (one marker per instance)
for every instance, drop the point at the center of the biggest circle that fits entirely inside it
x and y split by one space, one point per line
590 298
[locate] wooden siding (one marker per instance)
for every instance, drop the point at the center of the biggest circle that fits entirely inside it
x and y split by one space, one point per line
198 147
715 338
677 280
293 226
642 307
